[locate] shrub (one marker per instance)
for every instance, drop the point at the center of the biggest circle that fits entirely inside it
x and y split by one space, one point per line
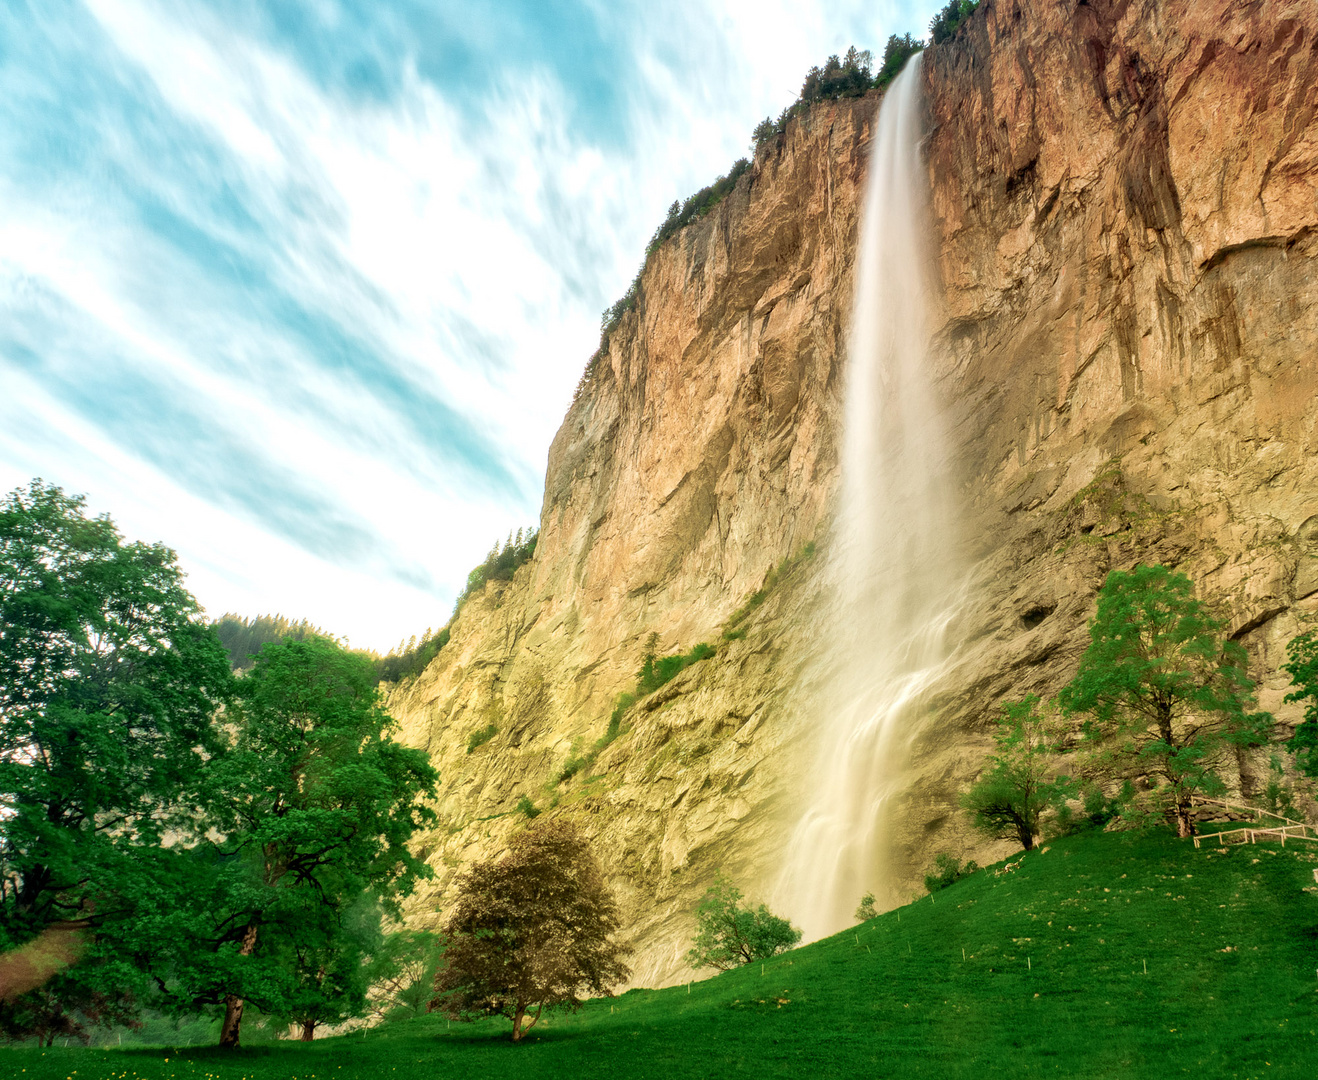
527 807
573 765
481 736
1015 789
866 910
657 670
946 871
1096 811
729 935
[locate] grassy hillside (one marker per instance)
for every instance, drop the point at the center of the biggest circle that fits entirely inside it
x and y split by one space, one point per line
1099 956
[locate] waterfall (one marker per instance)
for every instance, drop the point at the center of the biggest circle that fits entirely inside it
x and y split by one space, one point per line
894 571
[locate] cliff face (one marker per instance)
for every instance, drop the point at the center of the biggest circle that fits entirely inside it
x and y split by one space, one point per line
1125 197
699 455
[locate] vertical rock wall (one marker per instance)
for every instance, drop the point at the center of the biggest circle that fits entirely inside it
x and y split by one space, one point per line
1125 198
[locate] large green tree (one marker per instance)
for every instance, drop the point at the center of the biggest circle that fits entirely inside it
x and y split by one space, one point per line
307 813
1164 695
110 681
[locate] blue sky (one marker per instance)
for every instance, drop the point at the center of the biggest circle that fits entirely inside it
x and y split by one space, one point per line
302 289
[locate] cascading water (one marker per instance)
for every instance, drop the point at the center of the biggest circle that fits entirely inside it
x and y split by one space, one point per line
896 576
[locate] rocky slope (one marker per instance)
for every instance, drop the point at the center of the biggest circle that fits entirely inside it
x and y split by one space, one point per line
1125 197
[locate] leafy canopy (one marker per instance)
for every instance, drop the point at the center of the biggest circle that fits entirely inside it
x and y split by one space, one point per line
1017 786
109 684
1165 697
308 814
729 934
1302 667
530 931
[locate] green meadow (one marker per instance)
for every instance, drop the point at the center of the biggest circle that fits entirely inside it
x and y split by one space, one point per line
1112 955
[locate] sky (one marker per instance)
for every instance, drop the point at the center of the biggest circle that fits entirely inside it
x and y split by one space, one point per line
302 288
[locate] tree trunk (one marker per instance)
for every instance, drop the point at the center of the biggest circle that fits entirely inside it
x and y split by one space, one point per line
233 1004
519 1015
1184 822
1024 833
308 1030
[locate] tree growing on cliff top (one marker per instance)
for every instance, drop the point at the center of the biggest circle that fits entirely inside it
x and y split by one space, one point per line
1164 697
729 934
530 931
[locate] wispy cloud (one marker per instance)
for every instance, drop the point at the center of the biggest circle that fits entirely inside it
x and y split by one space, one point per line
303 290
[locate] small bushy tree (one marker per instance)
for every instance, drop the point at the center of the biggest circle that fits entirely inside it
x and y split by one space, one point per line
947 870
531 931
1010 796
866 909
1164 696
401 973
729 934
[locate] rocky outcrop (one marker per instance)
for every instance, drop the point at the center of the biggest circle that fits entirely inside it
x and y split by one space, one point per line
1125 198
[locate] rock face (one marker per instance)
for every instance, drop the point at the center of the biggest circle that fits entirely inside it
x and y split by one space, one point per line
1125 199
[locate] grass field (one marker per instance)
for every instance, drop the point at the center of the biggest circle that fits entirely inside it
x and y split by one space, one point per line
1101 956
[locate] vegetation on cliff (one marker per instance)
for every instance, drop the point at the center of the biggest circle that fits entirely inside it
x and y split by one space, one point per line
948 21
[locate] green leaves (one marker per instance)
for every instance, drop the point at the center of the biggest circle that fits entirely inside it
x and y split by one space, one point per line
532 930
306 817
109 681
1164 696
1014 790
729 935
1302 666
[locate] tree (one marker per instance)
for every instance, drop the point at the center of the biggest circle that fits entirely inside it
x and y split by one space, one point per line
1014 790
308 811
530 931
1302 667
331 962
1165 697
729 935
866 910
895 54
402 971
109 684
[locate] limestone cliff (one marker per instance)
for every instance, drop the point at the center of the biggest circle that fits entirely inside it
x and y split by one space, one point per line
1125 197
